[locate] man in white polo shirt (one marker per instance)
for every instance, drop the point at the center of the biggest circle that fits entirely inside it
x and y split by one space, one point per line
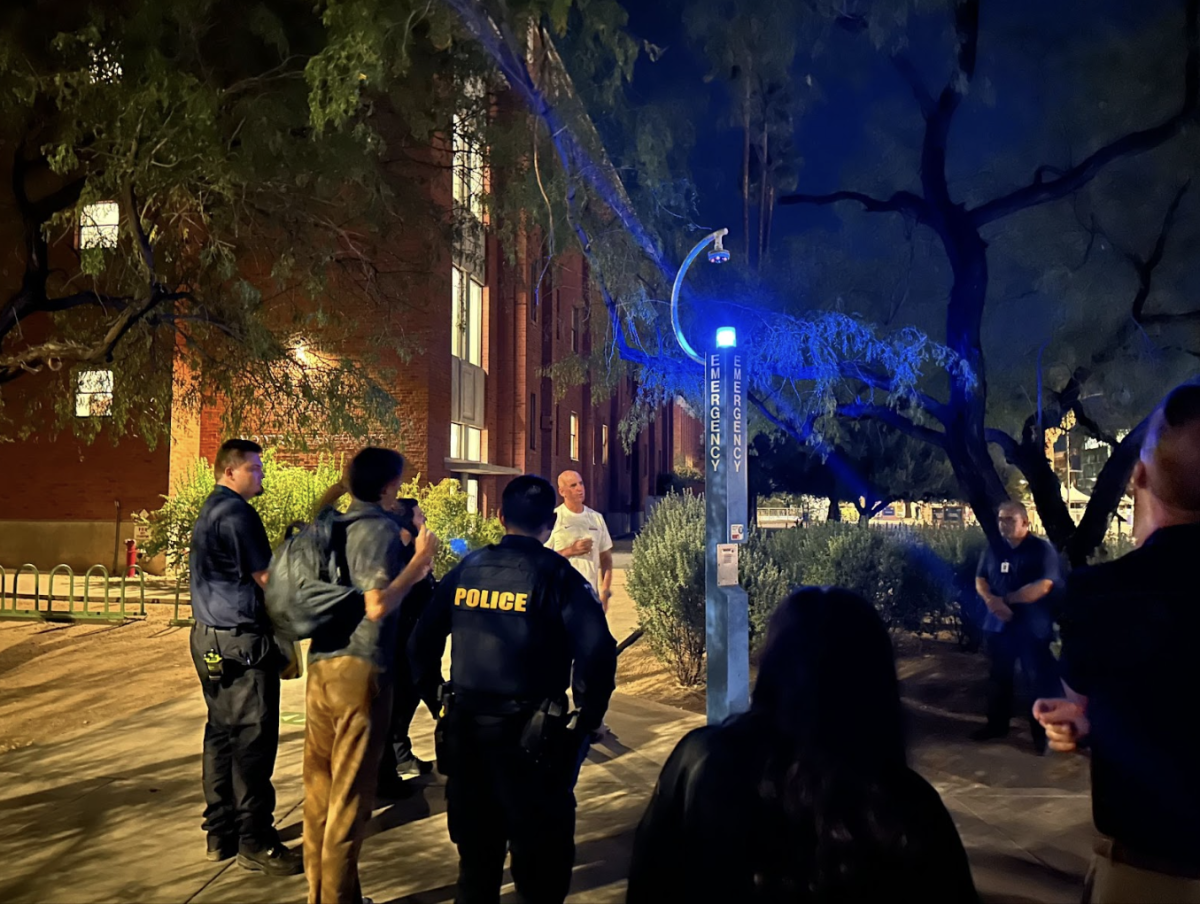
581 535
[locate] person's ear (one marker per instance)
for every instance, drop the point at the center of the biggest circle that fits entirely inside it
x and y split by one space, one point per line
1141 477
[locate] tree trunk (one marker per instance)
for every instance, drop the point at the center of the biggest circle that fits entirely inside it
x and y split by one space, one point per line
966 445
835 511
762 195
746 166
1031 460
770 217
1106 497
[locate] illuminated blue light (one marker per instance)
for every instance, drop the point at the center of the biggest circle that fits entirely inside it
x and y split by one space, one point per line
726 337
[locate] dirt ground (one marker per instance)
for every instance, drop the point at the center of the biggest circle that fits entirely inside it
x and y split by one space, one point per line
57 680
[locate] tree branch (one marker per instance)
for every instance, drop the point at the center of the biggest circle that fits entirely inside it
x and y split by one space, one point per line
1000 438
906 68
904 202
1041 191
894 419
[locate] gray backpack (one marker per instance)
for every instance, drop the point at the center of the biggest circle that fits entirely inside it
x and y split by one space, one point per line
308 590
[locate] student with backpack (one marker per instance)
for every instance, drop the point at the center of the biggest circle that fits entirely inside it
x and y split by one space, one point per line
340 582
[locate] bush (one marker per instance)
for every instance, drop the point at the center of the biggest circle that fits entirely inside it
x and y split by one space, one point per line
289 494
766 582
666 582
912 575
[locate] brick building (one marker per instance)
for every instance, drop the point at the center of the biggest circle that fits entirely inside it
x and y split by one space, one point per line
475 402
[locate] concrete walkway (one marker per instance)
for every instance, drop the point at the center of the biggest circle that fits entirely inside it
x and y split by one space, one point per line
113 815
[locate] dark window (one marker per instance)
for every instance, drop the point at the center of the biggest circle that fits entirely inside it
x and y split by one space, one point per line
532 421
576 329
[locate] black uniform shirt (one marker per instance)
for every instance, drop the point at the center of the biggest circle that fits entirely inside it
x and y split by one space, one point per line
520 617
1129 630
229 546
1033 559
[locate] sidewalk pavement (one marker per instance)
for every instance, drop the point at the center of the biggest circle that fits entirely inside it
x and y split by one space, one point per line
113 815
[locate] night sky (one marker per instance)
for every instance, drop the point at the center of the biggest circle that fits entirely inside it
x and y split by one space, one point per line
1019 38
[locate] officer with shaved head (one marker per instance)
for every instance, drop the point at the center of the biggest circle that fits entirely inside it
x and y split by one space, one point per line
1129 631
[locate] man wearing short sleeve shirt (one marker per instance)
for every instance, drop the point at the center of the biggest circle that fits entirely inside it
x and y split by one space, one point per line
238 664
581 535
1015 582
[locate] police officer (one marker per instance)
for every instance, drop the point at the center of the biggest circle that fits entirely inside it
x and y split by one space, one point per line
238 663
524 624
1015 582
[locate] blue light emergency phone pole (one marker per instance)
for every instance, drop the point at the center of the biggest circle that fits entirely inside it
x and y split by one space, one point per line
726 615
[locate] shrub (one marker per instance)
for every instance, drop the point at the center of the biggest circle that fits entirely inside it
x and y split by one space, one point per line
912 575
289 494
666 582
765 580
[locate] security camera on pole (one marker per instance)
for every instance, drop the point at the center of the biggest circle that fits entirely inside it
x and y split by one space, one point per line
726 617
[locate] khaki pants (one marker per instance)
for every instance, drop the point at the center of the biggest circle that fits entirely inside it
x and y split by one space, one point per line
1113 882
345 726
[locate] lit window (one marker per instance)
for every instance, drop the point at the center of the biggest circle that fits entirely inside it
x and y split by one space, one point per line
94 394
466 443
604 444
467 167
472 495
466 325
99 225
574 436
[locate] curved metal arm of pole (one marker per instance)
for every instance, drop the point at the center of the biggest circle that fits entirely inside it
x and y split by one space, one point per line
687 262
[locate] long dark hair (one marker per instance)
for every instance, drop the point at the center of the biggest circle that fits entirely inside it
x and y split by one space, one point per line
828 700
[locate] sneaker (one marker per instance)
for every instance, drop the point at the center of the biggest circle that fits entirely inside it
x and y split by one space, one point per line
275 860
988 733
414 765
220 847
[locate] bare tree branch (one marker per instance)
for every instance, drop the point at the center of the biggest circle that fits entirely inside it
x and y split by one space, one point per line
901 202
1076 177
894 419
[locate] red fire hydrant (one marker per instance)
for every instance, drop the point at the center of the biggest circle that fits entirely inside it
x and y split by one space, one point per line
130 558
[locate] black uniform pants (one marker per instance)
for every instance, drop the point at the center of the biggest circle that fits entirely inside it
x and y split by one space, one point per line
498 799
406 698
1006 648
241 736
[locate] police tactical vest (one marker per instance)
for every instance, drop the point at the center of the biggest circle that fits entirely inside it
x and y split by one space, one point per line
509 639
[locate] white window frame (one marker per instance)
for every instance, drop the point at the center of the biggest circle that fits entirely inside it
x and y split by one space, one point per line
466 325
574 435
466 442
604 444
94 393
99 225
